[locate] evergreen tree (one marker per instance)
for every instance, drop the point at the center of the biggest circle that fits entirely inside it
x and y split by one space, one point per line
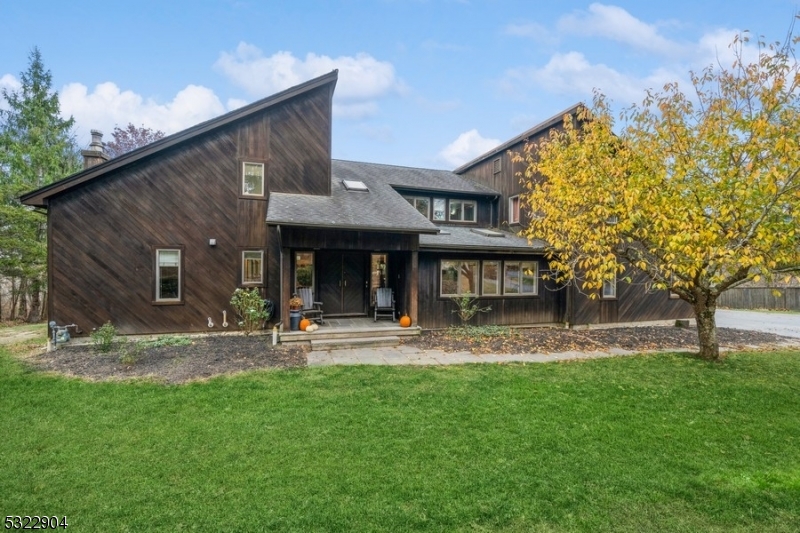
37 147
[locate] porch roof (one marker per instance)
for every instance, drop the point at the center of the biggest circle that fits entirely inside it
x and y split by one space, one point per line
466 238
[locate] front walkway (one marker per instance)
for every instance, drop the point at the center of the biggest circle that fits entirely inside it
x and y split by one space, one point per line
409 355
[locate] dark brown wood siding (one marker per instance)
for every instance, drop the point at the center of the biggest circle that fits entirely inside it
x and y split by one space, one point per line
102 233
437 312
634 303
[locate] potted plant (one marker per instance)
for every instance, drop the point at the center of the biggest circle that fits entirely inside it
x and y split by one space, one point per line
295 302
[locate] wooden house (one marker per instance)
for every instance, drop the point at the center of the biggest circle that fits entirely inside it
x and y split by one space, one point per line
157 240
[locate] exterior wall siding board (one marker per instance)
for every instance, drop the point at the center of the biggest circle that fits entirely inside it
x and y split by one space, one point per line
437 312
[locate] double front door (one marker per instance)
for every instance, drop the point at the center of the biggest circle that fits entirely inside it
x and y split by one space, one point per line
343 282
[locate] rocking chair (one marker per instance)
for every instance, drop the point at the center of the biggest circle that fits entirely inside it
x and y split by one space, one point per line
311 310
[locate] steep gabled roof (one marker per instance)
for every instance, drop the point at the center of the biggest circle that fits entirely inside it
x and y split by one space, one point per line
39 197
547 124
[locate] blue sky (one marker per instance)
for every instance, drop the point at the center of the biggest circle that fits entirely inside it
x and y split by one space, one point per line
421 83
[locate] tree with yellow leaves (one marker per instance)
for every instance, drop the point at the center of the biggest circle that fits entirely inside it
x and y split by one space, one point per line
699 192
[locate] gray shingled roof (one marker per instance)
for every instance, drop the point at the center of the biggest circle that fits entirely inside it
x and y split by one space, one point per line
382 208
463 238
411 178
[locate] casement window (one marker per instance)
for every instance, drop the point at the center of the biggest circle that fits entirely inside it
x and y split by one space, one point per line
252 179
459 278
303 270
513 210
490 278
439 209
497 165
610 288
421 204
462 211
168 275
520 277
252 267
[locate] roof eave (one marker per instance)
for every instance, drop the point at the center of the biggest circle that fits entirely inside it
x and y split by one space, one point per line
351 227
40 197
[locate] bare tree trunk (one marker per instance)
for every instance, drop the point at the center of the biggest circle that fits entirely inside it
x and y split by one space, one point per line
34 314
14 297
705 313
23 299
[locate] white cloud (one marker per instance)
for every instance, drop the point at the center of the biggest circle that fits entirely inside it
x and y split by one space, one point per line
10 84
466 147
615 23
531 30
573 74
107 106
362 79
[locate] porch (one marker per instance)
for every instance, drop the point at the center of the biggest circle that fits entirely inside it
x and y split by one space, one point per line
351 332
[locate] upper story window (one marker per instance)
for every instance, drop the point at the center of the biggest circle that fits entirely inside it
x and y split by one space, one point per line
168 275
439 209
421 204
497 165
462 211
513 210
253 179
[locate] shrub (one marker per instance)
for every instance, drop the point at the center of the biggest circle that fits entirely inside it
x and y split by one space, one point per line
251 309
103 337
468 307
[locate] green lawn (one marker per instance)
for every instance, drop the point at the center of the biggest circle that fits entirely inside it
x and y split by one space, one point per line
657 443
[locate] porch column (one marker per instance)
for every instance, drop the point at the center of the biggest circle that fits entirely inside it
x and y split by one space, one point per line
413 291
286 285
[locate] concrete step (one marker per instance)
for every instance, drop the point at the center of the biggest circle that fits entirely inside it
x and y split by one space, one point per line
355 342
324 333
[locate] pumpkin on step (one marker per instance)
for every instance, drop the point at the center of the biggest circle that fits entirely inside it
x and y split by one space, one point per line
304 324
405 321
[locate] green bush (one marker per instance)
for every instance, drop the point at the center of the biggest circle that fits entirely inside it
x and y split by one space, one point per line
250 308
103 337
468 307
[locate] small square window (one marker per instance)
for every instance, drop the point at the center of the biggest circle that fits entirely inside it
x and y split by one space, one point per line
520 277
253 179
252 267
462 211
421 204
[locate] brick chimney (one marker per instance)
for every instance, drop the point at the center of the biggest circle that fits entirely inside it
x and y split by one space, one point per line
95 154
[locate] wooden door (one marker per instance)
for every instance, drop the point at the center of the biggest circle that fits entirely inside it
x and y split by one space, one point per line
342 280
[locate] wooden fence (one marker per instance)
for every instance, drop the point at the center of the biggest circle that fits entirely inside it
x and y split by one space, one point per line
761 298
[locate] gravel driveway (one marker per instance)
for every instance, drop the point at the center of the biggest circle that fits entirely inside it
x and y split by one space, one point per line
777 322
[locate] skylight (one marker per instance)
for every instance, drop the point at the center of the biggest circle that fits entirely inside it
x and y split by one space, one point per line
487 232
354 185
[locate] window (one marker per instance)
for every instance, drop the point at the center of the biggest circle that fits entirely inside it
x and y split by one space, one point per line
610 287
253 179
520 277
513 210
462 210
491 278
459 277
497 165
252 267
421 204
439 209
303 270
168 275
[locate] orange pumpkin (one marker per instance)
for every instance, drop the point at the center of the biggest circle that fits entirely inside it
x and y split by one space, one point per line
304 324
405 321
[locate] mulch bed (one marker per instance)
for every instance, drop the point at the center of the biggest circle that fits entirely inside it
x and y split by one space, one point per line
214 355
204 358
552 340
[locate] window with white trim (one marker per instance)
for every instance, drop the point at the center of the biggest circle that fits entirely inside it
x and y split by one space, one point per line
459 278
168 263
252 179
513 210
490 278
252 267
610 287
439 209
520 277
421 204
462 211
